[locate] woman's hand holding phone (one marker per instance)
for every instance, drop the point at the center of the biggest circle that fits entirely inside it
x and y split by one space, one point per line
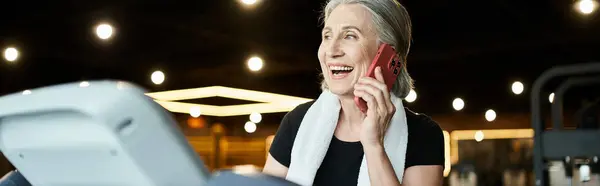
389 67
380 110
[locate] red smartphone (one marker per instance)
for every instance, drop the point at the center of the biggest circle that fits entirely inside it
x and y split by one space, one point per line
390 64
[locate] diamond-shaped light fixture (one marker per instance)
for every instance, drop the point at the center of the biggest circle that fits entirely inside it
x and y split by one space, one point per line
270 102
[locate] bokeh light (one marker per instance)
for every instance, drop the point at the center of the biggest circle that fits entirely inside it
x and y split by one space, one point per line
255 117
586 6
195 112
458 104
249 2
11 54
84 84
157 77
490 115
479 136
250 127
517 87
104 31
255 63
411 97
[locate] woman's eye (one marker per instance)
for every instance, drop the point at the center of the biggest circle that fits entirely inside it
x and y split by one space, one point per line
350 37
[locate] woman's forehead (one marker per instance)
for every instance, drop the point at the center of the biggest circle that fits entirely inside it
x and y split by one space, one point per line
349 16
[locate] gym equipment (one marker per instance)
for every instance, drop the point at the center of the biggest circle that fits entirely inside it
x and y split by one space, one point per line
101 133
463 174
14 178
588 116
514 177
223 178
560 153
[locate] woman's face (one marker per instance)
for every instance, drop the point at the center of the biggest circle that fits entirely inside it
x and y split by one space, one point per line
349 44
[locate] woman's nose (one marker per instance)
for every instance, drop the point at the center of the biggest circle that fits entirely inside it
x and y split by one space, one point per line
334 50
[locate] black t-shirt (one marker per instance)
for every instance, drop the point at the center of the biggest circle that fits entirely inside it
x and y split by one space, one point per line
342 162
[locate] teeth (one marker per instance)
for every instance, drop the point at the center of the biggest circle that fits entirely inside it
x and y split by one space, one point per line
345 68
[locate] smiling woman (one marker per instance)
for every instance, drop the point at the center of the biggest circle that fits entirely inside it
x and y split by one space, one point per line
330 141
385 24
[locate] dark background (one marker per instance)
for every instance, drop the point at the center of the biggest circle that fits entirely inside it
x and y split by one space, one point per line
469 49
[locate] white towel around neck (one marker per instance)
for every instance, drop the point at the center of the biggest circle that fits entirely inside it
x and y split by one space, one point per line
316 132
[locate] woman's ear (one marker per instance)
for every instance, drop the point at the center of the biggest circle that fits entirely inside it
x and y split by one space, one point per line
400 58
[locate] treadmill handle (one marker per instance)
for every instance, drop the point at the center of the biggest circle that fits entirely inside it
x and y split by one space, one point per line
14 178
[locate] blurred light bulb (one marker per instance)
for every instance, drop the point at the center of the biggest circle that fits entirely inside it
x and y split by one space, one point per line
250 127
84 84
479 136
11 54
517 87
551 97
104 31
249 2
586 6
490 115
255 117
458 104
195 112
157 77
255 64
411 97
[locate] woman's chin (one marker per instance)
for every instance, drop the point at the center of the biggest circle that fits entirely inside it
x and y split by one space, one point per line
342 91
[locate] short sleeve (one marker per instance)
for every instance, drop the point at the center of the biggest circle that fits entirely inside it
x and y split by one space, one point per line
281 147
425 143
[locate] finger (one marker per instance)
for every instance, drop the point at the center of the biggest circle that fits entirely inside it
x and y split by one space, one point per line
381 86
379 75
385 89
376 93
369 99
374 82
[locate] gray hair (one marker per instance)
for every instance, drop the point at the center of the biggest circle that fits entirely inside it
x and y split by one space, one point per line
393 26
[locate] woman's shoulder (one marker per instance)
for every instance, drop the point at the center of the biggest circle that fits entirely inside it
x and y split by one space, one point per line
294 117
425 141
281 148
296 114
422 124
